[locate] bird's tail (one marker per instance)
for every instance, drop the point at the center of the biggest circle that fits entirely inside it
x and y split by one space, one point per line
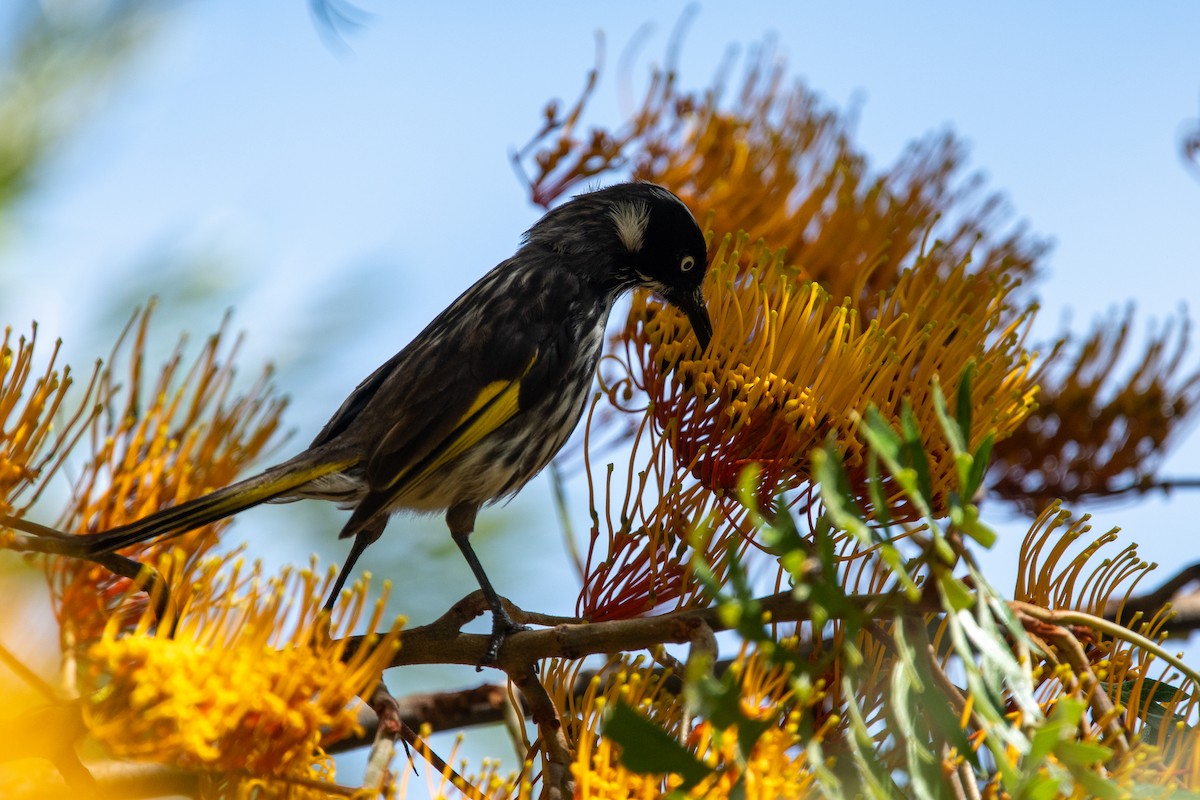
272 484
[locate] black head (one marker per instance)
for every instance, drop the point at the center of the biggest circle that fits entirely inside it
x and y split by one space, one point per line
653 241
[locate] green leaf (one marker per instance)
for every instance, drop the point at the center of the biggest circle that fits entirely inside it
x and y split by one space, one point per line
962 468
879 499
749 731
1064 719
747 491
1155 700
1150 791
917 458
979 465
1040 787
881 438
781 536
965 403
957 596
870 777
950 426
966 518
843 510
1097 786
1081 754
720 702
649 750
1159 692
894 561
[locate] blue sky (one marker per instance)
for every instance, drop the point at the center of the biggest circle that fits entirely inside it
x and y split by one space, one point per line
337 199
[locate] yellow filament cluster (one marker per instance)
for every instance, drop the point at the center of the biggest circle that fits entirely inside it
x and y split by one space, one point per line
244 675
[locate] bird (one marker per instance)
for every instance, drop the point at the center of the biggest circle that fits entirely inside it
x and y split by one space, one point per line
486 395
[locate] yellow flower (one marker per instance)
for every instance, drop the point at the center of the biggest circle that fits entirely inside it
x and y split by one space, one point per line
790 368
776 766
33 436
186 434
244 676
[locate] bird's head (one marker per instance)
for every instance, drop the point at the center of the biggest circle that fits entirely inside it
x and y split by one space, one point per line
647 237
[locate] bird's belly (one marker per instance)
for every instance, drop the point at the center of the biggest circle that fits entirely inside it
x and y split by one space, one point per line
498 465
495 467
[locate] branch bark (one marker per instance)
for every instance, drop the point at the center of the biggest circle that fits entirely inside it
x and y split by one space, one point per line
443 642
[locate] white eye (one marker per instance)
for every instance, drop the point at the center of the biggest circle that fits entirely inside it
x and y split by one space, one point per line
686 264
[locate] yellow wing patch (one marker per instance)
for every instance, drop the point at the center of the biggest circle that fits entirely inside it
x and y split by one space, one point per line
495 405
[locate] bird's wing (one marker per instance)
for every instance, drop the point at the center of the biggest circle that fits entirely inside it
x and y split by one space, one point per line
495 352
353 405
406 456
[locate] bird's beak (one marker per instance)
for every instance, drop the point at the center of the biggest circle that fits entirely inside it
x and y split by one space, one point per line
692 304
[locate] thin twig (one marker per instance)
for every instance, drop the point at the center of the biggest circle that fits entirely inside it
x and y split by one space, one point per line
1103 710
1068 617
558 783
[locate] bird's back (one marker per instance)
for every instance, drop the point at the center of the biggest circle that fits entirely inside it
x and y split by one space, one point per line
528 332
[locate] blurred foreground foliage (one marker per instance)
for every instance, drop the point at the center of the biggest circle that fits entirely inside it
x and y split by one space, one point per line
814 480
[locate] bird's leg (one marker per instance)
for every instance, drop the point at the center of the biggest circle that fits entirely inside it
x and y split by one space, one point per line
364 538
461 519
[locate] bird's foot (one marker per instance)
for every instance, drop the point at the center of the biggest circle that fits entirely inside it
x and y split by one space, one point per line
502 627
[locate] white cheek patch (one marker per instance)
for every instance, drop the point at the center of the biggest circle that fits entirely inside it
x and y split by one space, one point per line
631 220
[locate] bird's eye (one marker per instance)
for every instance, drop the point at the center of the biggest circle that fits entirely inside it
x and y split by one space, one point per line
687 263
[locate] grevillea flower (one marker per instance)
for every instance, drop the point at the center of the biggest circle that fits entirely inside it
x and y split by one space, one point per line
38 425
826 296
245 676
775 767
790 369
1097 433
1062 569
182 436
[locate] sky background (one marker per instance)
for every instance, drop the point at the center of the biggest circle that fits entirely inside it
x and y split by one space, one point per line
337 197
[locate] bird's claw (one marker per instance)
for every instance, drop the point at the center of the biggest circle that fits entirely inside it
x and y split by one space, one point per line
502 627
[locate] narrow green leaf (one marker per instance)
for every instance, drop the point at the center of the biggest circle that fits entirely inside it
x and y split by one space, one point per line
720 702
965 404
647 749
1159 692
1040 787
749 731
1152 791
747 491
950 426
1081 754
781 536
840 504
957 596
966 518
979 464
879 435
872 779
1041 744
895 563
917 458
963 462
1065 717
879 498
1097 786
